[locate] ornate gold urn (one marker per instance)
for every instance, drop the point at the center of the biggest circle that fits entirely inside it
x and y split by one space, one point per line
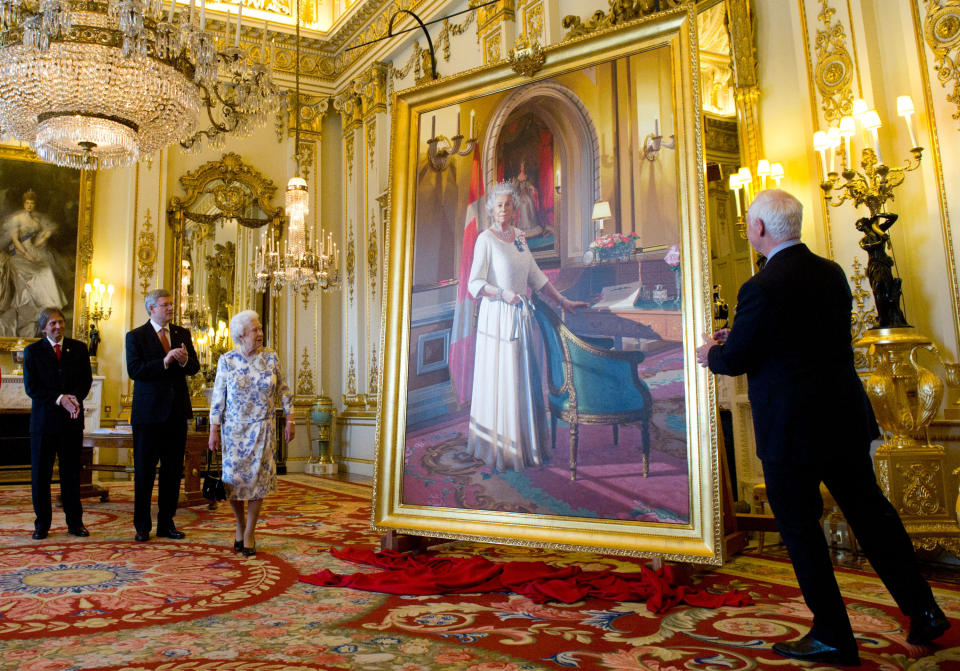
906 397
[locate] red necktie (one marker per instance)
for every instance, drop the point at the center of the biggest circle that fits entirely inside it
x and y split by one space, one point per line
163 340
56 348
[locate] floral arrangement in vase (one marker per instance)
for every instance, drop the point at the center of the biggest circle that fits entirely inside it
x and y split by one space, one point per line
614 246
672 259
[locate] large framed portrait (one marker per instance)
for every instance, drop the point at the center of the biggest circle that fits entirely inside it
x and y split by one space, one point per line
547 285
45 242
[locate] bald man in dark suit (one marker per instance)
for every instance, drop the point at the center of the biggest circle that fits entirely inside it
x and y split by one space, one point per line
813 423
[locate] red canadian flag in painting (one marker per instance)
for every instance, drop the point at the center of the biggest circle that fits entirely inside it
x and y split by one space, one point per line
463 336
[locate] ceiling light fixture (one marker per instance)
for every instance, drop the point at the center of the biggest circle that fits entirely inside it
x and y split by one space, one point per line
96 84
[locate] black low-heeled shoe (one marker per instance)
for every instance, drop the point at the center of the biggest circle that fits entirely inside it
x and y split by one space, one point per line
238 546
249 552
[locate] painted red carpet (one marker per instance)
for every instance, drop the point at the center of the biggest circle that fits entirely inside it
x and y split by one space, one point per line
439 471
106 602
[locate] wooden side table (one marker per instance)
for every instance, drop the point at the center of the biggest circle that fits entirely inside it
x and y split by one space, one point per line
190 494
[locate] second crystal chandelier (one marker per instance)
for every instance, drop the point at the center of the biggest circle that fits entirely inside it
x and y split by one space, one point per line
302 264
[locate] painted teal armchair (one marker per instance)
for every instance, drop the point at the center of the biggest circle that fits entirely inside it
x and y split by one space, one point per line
591 385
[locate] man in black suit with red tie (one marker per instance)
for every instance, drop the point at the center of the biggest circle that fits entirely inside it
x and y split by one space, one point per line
160 357
56 377
813 423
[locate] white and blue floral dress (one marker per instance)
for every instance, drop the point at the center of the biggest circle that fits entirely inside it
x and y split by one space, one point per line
244 405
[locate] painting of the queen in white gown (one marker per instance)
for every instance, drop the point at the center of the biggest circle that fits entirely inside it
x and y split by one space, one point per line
508 420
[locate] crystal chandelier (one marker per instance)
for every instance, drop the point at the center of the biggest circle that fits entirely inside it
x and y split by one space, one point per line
101 83
302 264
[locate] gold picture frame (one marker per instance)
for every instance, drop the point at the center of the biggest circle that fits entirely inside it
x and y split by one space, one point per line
428 481
64 197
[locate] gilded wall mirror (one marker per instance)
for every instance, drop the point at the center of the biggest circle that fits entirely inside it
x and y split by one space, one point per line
727 76
215 233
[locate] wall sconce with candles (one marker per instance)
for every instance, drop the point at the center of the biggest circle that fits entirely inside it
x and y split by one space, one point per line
441 149
97 307
654 142
743 179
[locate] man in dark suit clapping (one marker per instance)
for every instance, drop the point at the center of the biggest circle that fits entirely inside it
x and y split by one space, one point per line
813 423
160 357
56 377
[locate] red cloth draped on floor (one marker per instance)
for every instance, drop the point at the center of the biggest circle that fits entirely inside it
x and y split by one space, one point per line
541 582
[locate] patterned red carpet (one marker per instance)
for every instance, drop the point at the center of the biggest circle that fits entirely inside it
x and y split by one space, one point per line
106 602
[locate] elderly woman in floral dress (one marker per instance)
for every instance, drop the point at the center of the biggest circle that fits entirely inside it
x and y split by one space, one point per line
249 383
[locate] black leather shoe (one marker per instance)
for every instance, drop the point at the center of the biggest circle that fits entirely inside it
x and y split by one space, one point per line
171 532
142 537
927 626
78 531
39 535
809 649
249 552
238 546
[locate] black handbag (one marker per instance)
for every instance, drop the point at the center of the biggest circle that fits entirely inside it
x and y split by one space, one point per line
213 489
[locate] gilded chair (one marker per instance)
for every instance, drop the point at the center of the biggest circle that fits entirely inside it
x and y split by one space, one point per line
589 384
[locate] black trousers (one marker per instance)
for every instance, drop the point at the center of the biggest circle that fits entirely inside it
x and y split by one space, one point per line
793 492
157 443
64 447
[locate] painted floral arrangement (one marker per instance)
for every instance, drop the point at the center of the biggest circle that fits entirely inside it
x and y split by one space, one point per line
614 245
672 257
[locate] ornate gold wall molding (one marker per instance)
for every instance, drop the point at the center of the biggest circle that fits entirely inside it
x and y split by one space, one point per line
350 107
374 386
351 375
492 46
531 21
743 43
620 12
492 33
312 111
146 254
230 168
371 142
350 260
815 118
862 318
373 256
941 29
348 142
370 23
834 71
304 386
495 14
937 164
371 89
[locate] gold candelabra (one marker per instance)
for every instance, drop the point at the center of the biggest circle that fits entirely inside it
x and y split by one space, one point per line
97 307
874 185
211 344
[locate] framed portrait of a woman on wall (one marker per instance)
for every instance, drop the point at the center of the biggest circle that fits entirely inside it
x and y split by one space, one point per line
45 227
546 289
